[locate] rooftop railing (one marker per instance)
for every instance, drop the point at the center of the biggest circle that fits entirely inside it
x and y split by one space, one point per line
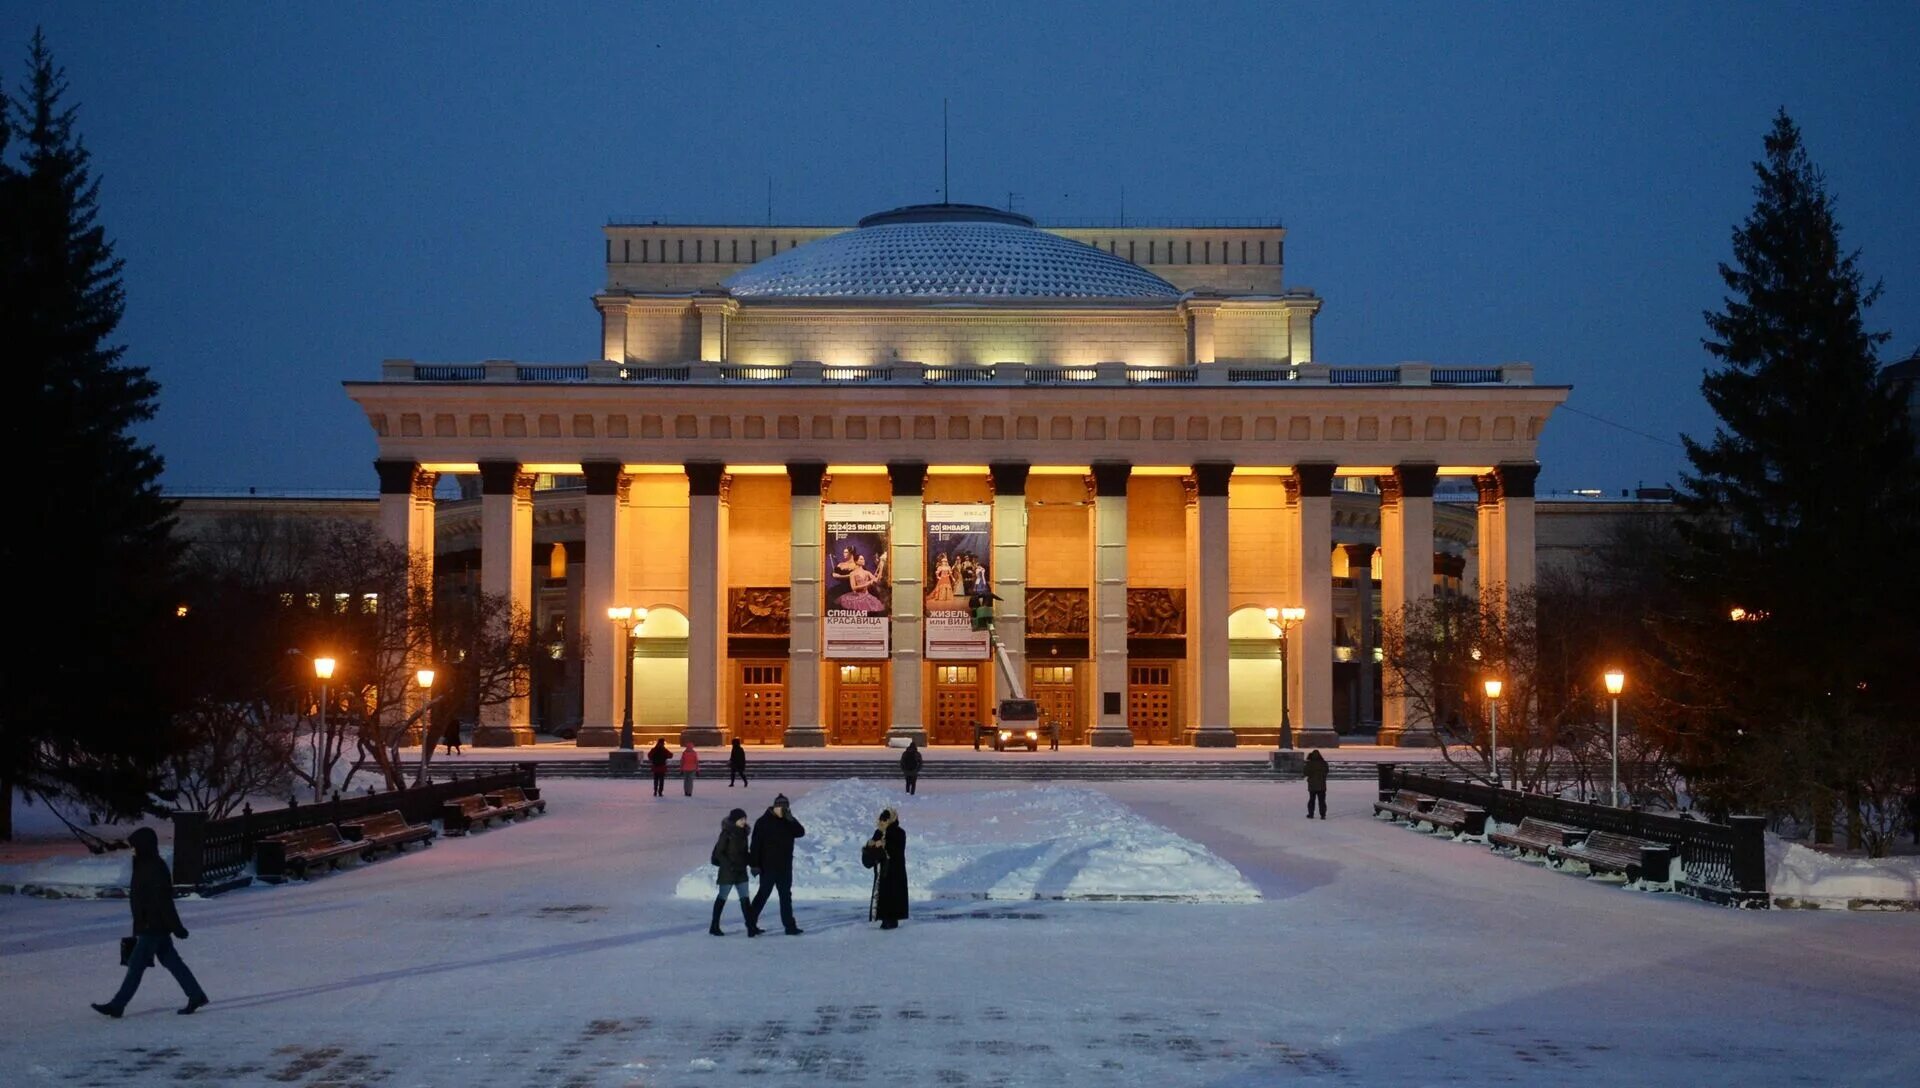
811 372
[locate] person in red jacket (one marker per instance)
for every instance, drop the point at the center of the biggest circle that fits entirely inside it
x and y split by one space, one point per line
689 766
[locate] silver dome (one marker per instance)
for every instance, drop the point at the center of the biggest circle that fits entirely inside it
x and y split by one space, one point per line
948 251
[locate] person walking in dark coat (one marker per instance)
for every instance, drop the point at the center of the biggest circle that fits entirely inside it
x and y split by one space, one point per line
771 859
453 735
657 757
155 924
1053 734
737 764
910 764
886 854
730 855
1316 783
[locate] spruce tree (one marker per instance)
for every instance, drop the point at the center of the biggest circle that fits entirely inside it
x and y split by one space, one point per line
1803 514
88 543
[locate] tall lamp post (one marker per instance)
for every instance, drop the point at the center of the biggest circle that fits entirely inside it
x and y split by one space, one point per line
322 671
628 619
1284 619
1616 683
1493 728
424 677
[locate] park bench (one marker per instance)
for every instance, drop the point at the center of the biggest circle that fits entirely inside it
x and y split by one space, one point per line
1404 805
461 815
1463 820
516 802
297 851
1540 837
386 829
1640 861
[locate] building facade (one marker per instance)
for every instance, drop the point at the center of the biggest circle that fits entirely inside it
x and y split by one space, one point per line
802 448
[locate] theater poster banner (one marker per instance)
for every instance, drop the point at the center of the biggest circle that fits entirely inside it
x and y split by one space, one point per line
959 545
856 623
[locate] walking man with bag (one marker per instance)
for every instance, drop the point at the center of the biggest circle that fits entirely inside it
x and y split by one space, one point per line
737 764
657 757
1316 783
771 857
155 924
910 764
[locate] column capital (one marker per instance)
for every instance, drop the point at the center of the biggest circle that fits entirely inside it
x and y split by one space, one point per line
1110 479
1360 555
1316 479
703 477
1009 477
1517 478
396 477
804 477
603 477
909 478
504 478
1212 477
1417 479
1488 485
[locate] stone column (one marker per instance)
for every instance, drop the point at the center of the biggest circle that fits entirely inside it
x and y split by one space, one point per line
803 610
406 518
706 583
1312 641
1200 319
1010 567
907 573
1406 568
1360 573
1516 521
1111 729
506 570
1491 570
715 310
608 655
1207 606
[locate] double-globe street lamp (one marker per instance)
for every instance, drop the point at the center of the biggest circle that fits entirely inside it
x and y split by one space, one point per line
628 619
1284 619
1616 683
1493 689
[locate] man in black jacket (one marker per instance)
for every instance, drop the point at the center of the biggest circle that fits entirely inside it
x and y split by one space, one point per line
771 857
155 925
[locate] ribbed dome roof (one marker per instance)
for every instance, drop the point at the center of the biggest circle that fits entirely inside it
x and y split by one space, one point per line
948 251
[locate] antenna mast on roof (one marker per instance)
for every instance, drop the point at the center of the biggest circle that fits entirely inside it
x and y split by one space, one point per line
1123 205
769 200
946 193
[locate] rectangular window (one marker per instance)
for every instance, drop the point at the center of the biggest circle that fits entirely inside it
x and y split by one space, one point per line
1263 251
680 251
1189 257
643 251
736 251
626 250
700 251
1206 252
753 250
1130 251
1243 252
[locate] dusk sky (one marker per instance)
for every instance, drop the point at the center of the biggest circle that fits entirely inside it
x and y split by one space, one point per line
299 193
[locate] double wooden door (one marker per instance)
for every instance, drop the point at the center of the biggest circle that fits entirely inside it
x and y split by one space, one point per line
859 705
1150 703
760 705
1054 689
956 704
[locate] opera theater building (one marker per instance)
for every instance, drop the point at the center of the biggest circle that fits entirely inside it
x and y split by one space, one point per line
802 449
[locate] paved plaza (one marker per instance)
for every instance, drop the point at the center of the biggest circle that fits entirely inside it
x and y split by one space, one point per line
555 952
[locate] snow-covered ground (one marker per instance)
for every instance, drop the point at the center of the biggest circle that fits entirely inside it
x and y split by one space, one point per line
557 953
1045 842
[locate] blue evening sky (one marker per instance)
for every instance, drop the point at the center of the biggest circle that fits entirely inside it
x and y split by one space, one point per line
300 192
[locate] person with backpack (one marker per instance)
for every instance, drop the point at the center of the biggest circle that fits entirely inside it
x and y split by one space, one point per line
910 764
771 859
689 766
155 925
737 764
657 757
730 859
1316 783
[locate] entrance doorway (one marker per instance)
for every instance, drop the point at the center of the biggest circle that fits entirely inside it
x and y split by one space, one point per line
1054 690
859 705
1150 703
760 705
956 703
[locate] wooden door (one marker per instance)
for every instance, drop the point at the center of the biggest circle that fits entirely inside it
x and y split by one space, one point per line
956 704
1150 703
859 705
760 707
1053 688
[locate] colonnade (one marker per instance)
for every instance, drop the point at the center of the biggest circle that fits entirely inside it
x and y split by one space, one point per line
1505 551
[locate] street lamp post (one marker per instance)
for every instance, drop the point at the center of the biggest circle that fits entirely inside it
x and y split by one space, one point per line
323 671
1493 728
1284 619
424 677
627 618
1616 683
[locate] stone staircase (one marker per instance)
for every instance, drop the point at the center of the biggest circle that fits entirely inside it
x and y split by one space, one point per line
1014 766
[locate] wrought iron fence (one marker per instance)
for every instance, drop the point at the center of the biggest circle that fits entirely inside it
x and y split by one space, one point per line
1724 863
209 855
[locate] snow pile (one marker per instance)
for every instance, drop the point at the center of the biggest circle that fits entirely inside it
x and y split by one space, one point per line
81 876
1047 842
1799 872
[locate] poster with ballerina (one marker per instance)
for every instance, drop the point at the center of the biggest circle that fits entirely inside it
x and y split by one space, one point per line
855 625
959 547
